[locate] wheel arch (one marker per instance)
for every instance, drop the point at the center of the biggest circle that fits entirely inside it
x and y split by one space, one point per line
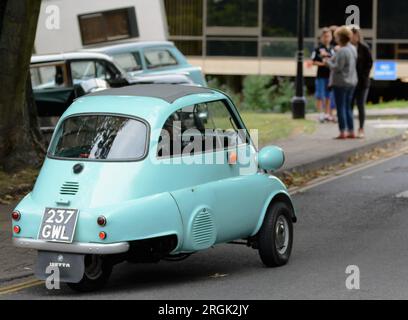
281 196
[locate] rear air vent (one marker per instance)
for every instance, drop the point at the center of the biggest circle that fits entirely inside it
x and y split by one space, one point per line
203 230
69 188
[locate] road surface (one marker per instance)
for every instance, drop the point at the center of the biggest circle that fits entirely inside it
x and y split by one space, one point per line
359 219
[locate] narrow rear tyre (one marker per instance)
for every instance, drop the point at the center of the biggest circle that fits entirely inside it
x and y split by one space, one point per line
96 275
275 237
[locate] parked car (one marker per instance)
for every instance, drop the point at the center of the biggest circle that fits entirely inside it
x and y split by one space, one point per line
157 57
113 188
56 79
59 79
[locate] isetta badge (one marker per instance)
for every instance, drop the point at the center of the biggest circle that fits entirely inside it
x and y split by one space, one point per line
58 225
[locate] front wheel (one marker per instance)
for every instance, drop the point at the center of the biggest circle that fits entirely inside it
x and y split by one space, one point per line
97 273
276 235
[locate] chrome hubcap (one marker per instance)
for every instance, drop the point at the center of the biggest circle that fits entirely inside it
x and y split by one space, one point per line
281 235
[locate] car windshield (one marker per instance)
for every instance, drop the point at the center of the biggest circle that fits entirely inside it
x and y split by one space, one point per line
100 137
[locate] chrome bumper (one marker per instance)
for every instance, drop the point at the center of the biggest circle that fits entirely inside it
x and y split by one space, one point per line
75 247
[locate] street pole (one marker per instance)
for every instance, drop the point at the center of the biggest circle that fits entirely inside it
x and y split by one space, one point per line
299 100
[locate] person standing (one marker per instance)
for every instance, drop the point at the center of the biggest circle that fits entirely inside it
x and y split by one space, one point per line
324 50
364 65
343 80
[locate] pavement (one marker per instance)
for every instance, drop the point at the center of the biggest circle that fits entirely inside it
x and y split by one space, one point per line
368 231
307 152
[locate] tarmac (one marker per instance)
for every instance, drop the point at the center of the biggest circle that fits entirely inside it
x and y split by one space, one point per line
303 152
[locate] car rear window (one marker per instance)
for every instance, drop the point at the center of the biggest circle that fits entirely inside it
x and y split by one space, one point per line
100 137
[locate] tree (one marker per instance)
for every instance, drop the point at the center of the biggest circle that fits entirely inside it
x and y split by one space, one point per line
21 142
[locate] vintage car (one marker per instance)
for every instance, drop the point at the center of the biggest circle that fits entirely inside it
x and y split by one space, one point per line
152 58
58 79
147 173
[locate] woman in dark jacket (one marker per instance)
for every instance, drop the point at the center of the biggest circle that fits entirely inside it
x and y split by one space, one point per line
364 65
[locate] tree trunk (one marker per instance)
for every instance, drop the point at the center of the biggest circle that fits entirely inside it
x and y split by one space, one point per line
21 142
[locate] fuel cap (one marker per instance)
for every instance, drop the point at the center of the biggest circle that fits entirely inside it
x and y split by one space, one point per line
78 168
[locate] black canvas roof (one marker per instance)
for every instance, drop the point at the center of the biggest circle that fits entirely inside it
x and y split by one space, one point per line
167 92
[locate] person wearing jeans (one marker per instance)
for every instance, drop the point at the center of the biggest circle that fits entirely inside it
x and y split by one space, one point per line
343 80
364 65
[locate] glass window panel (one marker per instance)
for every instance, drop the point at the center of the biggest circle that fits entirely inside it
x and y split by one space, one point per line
184 17
128 61
285 49
190 47
392 19
117 24
232 13
280 18
46 77
334 12
232 48
157 58
101 137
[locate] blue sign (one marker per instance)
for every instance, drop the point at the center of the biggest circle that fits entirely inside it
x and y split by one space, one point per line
385 70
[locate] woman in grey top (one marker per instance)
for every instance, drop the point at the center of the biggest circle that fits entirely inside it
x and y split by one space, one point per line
343 80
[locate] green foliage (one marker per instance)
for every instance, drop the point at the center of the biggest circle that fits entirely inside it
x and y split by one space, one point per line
257 93
215 84
265 93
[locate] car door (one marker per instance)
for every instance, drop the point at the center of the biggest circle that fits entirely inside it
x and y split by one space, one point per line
209 203
52 88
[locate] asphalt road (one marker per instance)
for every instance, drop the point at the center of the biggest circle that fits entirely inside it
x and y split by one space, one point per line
354 220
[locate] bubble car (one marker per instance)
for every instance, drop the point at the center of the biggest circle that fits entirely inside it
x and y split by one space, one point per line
147 173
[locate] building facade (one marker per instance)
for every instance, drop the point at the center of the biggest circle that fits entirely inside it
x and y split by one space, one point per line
224 37
238 37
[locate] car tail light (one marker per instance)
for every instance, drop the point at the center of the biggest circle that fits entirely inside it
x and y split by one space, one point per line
101 221
16 215
102 235
16 229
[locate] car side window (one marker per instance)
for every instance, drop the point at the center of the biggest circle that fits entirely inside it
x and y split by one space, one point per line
48 76
129 62
158 58
203 127
89 69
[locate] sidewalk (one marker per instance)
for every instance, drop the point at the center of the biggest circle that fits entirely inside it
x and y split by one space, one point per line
314 151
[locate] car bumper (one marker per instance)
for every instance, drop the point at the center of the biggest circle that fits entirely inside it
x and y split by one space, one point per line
76 247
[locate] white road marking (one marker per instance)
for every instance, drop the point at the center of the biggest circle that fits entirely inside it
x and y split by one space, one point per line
403 194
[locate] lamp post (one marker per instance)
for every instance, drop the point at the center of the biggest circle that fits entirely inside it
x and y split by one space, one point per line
299 100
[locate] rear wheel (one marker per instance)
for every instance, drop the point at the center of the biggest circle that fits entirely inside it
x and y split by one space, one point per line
97 272
276 235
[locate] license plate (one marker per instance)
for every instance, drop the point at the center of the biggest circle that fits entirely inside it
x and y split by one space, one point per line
58 225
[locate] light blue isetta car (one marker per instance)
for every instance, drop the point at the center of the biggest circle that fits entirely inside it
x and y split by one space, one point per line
147 173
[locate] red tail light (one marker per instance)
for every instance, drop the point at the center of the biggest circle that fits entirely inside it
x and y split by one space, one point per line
16 229
16 215
102 235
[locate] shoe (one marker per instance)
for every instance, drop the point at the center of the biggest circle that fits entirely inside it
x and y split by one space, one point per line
360 134
341 136
321 118
351 135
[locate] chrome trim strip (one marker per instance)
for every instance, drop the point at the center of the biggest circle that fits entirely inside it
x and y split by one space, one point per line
75 247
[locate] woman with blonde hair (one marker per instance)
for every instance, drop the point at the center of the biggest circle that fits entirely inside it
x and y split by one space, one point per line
343 80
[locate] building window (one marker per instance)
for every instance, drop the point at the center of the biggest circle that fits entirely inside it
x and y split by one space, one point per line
239 48
285 48
232 13
108 26
392 17
280 16
190 47
184 17
334 12
392 51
